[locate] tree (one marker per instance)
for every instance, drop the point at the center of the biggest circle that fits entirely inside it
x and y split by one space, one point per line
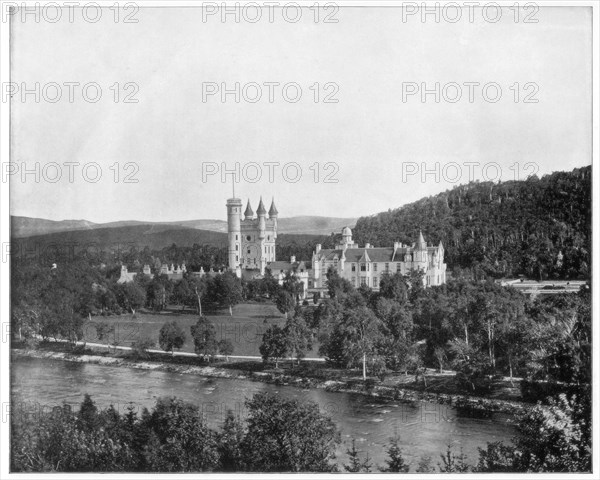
395 462
293 285
225 347
205 337
274 344
298 337
159 292
285 302
171 336
336 285
179 439
182 293
199 288
425 465
130 296
103 331
356 464
354 336
440 356
452 463
227 290
140 347
554 438
288 436
230 444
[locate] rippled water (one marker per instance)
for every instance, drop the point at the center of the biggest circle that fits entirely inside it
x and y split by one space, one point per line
424 428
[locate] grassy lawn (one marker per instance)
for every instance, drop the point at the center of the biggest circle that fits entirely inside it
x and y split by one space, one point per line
244 329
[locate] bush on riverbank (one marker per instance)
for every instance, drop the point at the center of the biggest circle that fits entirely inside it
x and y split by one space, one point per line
277 435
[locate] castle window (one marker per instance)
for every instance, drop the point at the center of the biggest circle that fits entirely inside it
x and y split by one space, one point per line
354 267
237 247
363 281
248 238
363 267
236 237
236 258
268 237
375 267
375 284
398 267
248 251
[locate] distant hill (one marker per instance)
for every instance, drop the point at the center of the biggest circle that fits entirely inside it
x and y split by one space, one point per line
26 226
155 237
152 236
312 225
504 229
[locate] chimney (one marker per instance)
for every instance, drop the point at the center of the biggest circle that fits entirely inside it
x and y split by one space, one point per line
318 247
293 259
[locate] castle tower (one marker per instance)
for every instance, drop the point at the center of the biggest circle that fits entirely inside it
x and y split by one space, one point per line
261 212
346 236
273 213
421 249
249 213
234 213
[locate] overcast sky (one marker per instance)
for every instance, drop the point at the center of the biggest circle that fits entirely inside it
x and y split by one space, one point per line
372 134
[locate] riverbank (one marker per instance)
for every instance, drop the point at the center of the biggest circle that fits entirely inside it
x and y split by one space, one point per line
393 392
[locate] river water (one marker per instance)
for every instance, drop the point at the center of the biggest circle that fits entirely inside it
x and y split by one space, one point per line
424 428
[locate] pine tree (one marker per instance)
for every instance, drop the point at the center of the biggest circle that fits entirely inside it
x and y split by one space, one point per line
395 462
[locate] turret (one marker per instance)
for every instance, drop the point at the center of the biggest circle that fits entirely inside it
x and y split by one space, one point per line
273 210
421 249
249 213
346 236
421 245
262 214
273 213
234 213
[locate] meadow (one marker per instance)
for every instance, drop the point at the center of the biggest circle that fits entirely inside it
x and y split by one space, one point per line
244 329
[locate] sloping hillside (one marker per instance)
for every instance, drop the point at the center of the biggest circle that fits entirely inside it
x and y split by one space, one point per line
509 228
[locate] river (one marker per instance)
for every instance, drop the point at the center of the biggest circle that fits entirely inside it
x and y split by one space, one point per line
423 428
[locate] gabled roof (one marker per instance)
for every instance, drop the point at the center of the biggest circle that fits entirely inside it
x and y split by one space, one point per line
365 257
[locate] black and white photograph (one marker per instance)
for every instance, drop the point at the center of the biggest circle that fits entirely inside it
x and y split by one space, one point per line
306 239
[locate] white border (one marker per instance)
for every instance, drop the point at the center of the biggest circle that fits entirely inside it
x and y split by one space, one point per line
5 238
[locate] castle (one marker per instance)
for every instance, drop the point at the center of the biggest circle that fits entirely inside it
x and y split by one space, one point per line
251 241
251 246
251 251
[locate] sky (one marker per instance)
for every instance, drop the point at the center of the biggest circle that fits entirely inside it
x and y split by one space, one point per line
362 154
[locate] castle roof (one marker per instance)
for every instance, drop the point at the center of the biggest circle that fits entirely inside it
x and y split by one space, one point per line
284 266
248 212
373 254
261 208
273 210
421 243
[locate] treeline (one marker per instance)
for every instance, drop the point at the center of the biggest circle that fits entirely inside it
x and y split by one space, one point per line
477 328
54 302
277 435
500 229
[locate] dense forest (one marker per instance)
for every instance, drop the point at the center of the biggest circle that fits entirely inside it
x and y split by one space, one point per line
500 229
